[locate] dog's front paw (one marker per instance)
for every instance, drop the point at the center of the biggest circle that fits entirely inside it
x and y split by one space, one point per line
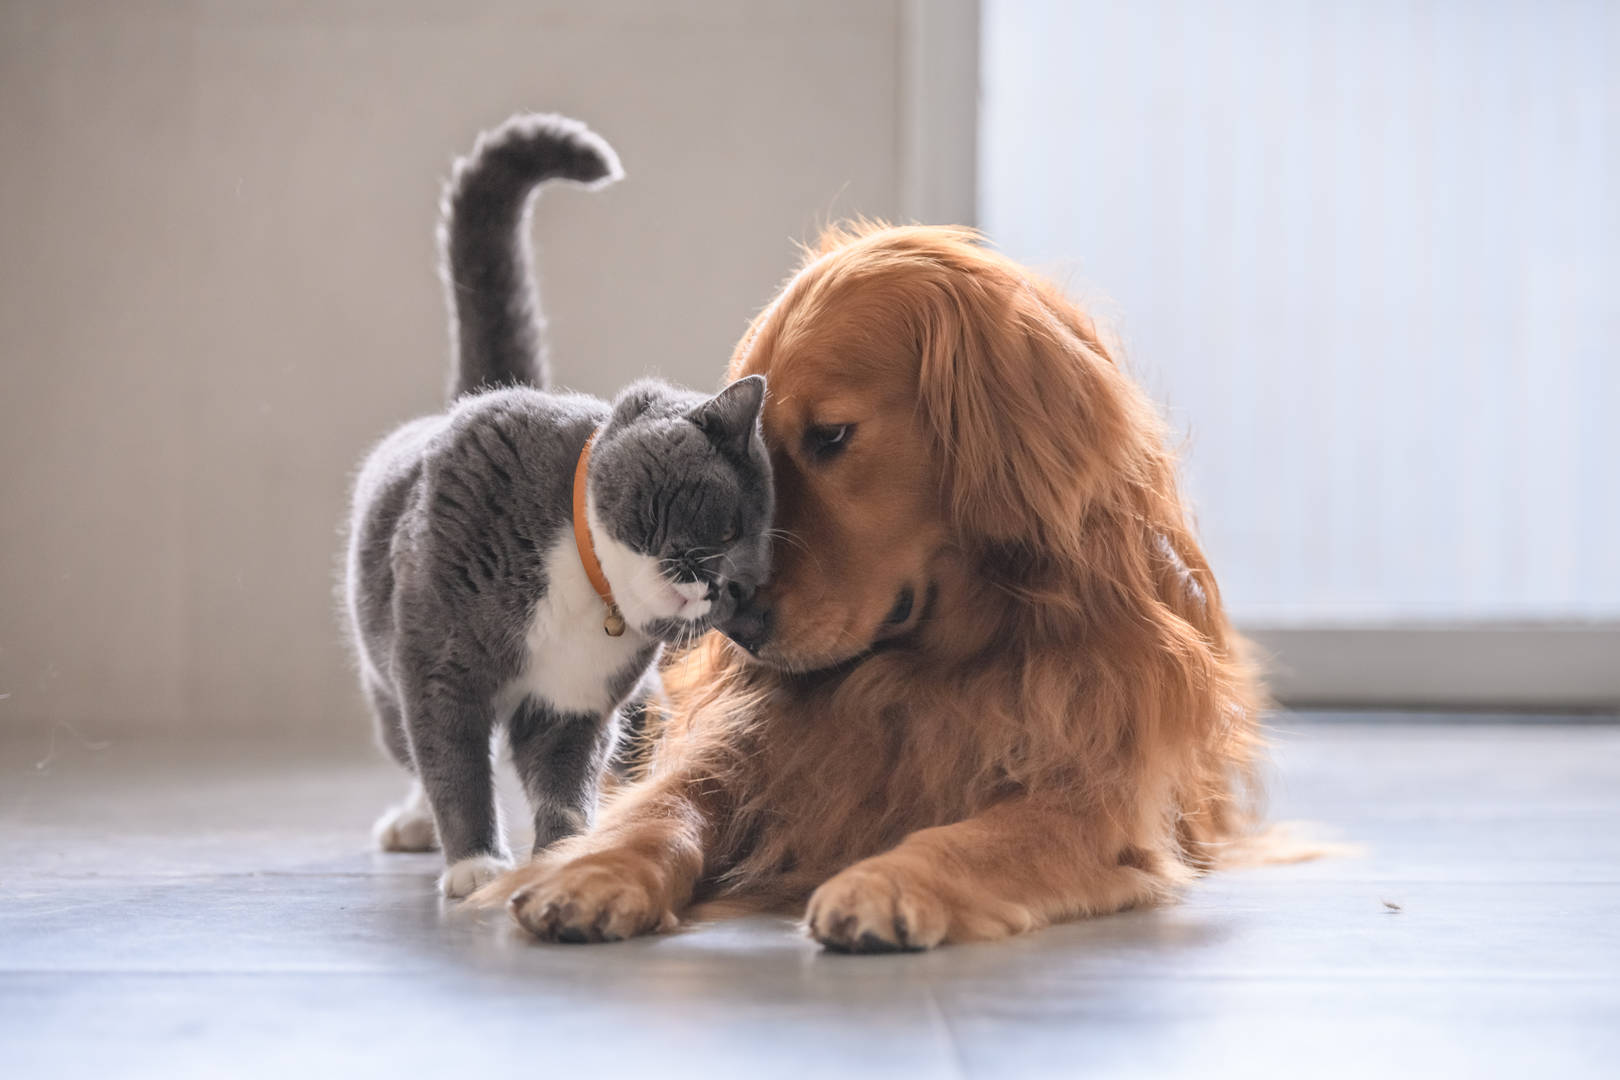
466 875
873 908
595 898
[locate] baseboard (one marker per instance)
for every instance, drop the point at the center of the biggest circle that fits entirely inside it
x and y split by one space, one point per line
1530 667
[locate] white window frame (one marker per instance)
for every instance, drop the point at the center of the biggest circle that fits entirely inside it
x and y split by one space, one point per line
1561 666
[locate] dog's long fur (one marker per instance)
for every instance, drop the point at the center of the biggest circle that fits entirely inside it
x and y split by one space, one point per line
1065 725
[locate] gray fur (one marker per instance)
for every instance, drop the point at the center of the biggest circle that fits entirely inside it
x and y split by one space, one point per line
455 517
496 329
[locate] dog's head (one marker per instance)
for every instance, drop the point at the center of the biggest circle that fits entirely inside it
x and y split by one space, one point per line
935 417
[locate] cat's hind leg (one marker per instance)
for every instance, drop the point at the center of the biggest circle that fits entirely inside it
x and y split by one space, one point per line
560 758
409 825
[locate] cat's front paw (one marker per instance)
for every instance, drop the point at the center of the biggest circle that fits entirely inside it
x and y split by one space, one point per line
467 875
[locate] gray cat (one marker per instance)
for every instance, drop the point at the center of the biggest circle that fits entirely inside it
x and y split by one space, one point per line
470 596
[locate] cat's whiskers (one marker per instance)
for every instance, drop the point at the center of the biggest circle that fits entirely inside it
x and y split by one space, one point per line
678 564
788 537
785 535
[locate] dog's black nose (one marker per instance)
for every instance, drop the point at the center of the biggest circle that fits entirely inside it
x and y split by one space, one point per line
749 625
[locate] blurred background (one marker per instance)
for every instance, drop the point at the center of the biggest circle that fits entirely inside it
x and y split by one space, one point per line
1364 254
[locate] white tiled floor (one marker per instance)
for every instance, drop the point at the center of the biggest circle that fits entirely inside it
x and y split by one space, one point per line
215 911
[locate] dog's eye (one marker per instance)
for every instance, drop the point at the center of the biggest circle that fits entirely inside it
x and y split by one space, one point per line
825 441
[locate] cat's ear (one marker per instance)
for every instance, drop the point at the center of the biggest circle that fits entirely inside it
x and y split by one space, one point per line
731 417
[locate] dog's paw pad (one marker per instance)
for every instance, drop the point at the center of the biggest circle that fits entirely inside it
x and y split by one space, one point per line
586 903
870 909
471 874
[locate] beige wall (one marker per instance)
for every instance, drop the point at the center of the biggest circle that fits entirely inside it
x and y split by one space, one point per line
217 287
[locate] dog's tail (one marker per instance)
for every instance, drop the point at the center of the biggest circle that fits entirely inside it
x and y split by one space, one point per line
1280 843
484 253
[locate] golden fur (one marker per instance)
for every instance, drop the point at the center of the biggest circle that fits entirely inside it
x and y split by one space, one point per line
1065 725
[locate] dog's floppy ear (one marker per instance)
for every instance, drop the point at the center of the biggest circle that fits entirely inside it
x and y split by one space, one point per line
1031 417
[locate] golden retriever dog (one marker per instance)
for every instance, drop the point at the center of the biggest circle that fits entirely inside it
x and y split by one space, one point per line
990 685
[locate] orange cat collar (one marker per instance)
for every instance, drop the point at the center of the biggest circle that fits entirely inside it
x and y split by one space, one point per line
613 624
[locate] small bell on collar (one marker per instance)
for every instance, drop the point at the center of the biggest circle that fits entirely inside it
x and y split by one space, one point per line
613 625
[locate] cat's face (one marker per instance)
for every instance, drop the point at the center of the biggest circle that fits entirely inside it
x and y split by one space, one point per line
681 501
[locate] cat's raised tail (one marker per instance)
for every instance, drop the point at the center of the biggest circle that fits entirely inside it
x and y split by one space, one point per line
496 326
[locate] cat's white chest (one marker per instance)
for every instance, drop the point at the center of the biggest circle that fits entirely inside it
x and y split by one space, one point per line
571 659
